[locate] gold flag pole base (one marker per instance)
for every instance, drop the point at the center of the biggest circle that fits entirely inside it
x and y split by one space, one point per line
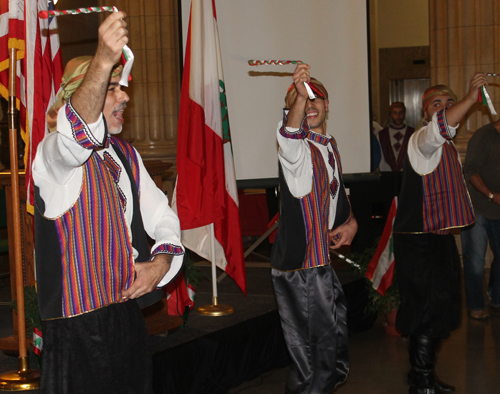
215 309
22 380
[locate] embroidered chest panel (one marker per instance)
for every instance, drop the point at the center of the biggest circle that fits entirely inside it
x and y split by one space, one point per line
446 201
97 260
316 210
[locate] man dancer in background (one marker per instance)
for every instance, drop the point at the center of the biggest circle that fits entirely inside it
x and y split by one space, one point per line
394 139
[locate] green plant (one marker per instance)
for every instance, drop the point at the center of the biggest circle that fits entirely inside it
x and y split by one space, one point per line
31 314
192 273
378 302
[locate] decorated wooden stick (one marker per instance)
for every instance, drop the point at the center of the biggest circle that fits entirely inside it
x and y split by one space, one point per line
345 259
88 10
127 54
484 97
273 62
310 93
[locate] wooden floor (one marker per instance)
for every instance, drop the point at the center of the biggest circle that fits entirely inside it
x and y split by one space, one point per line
469 359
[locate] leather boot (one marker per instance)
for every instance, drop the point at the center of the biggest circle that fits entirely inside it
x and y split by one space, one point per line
441 387
421 377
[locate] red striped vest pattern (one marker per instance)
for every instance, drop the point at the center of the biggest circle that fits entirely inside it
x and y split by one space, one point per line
446 201
97 260
314 207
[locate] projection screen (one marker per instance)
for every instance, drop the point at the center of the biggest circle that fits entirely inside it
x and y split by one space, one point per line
331 36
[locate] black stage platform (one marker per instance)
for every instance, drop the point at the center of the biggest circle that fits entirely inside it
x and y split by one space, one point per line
214 354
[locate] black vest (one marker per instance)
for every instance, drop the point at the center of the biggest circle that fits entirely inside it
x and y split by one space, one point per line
289 249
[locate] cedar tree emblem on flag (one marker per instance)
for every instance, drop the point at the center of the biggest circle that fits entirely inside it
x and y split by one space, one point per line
206 191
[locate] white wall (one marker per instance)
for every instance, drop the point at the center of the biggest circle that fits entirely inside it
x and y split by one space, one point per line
329 35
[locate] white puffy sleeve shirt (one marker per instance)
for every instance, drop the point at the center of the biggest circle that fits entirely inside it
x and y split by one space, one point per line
58 173
295 157
426 144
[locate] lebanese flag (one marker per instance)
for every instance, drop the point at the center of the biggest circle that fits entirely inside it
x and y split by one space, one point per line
37 341
206 189
381 267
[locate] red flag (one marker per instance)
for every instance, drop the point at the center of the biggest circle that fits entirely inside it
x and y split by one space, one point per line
178 297
381 267
12 35
38 48
37 341
43 55
206 189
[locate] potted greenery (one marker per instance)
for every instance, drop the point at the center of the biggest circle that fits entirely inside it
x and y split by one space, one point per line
387 304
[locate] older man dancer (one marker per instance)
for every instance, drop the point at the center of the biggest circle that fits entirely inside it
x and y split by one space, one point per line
95 206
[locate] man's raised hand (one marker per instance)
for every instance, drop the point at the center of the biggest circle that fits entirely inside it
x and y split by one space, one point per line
113 36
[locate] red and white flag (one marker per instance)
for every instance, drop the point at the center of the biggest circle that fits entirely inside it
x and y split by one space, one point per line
43 55
38 47
12 35
37 341
381 268
206 189
179 296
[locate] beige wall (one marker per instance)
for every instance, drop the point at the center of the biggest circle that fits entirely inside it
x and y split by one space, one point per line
394 24
403 23
77 34
464 40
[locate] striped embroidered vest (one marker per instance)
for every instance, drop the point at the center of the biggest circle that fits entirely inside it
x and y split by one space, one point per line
85 255
435 202
302 238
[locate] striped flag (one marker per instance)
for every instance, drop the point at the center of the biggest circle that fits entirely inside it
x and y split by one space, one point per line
12 35
43 55
191 293
206 189
381 268
178 296
38 47
37 341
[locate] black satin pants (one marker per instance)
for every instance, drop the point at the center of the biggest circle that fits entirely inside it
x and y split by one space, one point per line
312 309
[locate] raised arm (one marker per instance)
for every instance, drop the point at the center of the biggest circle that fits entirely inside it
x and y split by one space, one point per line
297 110
443 115
456 113
88 99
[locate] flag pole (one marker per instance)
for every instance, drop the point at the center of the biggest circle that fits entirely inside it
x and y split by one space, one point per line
23 379
215 309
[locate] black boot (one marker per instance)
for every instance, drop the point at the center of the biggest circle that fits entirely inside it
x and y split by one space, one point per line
421 377
441 387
